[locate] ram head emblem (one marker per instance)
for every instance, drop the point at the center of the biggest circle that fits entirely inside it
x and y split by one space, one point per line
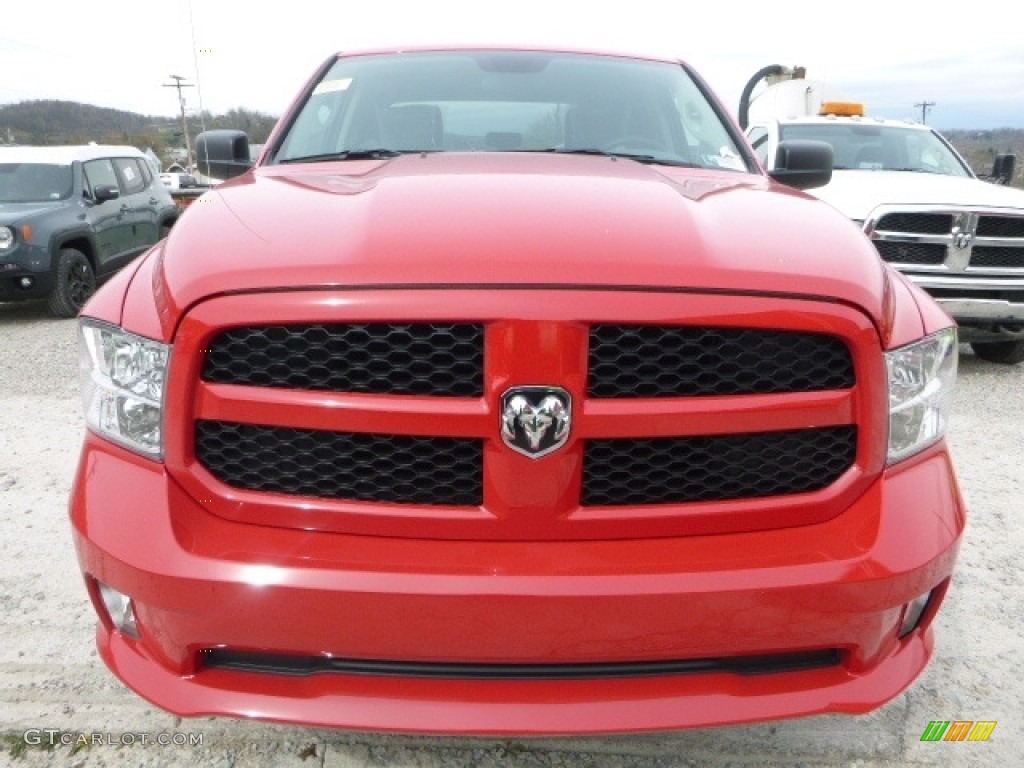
535 420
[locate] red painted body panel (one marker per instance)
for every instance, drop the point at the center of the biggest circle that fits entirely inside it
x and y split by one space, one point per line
493 219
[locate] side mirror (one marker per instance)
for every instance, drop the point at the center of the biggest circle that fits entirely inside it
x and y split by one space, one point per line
103 192
223 154
803 164
1002 168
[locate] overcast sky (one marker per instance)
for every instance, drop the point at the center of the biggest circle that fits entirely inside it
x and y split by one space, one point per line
891 54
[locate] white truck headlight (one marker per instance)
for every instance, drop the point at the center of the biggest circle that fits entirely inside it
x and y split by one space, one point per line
6 238
921 380
122 379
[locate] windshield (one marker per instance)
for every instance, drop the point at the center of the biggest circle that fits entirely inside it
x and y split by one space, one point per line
34 182
496 101
873 147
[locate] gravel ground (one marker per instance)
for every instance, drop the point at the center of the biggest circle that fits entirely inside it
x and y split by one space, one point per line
52 681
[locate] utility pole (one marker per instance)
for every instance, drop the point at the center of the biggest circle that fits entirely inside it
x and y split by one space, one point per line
925 106
184 123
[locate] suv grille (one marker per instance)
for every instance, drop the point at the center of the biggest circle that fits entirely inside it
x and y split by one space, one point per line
659 361
667 470
378 358
339 465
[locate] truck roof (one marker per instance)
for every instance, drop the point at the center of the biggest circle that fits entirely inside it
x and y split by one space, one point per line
499 48
65 155
839 119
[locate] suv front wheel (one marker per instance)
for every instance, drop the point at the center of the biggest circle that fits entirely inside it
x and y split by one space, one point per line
76 282
1007 352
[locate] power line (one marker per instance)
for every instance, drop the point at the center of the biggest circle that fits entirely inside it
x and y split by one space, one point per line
195 63
179 84
925 106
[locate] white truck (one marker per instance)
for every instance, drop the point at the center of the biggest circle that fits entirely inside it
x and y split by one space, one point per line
958 237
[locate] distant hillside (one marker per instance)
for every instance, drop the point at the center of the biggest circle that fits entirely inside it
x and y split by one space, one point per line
64 122
70 122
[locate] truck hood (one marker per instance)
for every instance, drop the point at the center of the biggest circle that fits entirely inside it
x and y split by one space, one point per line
857 193
512 219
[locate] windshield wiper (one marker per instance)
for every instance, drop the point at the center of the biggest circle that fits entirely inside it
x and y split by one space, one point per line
638 157
907 170
348 154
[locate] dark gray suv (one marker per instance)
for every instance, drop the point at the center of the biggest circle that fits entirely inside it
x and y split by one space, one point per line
72 216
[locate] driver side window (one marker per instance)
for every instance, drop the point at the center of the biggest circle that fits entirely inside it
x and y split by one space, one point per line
98 173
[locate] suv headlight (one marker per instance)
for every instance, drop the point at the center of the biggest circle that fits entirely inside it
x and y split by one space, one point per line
122 379
6 238
921 380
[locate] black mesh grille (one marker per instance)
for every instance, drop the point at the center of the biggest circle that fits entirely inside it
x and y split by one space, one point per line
918 223
381 358
654 361
933 254
690 469
1005 258
1001 226
343 465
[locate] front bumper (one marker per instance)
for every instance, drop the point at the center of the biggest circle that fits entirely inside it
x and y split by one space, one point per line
986 319
200 583
986 309
18 283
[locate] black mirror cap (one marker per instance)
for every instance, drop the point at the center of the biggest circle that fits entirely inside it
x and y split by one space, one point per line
1003 167
223 154
103 192
803 164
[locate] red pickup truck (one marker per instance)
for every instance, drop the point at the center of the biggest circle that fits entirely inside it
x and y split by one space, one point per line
506 393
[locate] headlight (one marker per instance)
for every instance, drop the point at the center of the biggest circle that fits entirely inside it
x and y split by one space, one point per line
6 238
123 386
921 380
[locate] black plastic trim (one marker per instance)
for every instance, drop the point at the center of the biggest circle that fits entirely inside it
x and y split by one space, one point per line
281 664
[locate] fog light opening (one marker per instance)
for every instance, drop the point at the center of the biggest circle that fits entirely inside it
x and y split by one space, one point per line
912 613
119 609
26 282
